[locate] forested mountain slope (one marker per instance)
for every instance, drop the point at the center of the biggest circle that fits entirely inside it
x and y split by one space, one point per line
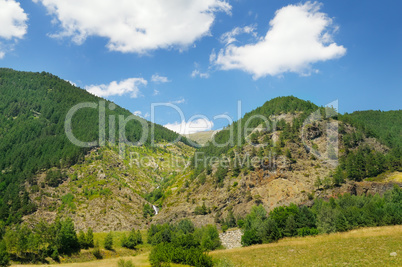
308 152
385 125
33 108
301 152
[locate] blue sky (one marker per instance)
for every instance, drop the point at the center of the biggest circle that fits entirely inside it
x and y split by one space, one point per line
206 55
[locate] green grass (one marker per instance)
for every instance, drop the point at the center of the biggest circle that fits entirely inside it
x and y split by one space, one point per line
118 236
362 247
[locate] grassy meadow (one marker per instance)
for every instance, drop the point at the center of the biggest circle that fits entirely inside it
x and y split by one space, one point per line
361 247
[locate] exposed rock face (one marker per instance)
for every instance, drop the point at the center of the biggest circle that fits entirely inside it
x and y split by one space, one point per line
313 132
231 239
364 188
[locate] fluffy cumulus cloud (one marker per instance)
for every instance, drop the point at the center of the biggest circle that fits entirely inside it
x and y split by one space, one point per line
299 36
159 79
192 126
13 24
136 26
129 86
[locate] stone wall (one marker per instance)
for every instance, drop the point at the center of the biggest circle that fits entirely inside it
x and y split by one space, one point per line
231 239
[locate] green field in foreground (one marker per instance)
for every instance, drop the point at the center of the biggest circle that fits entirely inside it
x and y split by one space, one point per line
362 247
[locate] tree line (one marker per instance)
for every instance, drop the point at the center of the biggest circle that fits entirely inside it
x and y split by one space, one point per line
182 243
342 213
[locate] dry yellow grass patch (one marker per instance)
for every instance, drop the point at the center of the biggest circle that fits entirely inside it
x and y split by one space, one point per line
395 177
138 261
362 247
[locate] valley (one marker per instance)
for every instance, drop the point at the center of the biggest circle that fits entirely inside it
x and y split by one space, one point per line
289 155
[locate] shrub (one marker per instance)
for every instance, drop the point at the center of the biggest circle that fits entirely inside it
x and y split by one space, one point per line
240 223
201 210
123 263
305 231
165 253
202 179
97 252
225 227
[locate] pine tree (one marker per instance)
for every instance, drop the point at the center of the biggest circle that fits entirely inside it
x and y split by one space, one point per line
338 178
139 237
290 226
67 237
108 244
4 256
130 241
82 239
90 238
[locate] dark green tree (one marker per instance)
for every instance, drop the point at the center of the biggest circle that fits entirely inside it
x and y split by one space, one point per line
90 238
4 256
108 243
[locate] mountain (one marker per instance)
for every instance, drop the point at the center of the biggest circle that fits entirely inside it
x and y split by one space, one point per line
33 110
301 152
286 151
384 125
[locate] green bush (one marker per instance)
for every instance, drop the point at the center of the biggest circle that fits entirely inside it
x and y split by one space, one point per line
182 243
123 263
305 231
131 241
201 210
165 253
97 252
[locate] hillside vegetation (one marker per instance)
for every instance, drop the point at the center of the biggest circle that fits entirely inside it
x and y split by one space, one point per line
296 161
33 108
288 168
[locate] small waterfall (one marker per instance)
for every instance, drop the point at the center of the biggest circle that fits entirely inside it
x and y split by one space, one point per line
155 209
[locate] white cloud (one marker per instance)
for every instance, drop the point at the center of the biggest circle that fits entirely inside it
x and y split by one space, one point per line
13 24
198 73
128 86
156 92
72 83
159 79
192 126
229 37
138 113
299 36
180 101
136 26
